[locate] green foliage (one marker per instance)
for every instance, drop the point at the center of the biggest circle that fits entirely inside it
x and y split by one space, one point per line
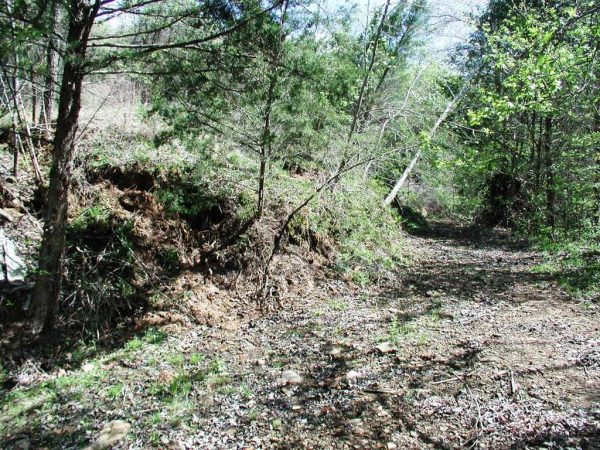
574 263
533 113
115 392
369 235
96 217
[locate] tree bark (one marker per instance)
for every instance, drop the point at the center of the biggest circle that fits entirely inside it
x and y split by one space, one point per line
46 292
265 143
265 148
550 188
365 82
47 107
33 97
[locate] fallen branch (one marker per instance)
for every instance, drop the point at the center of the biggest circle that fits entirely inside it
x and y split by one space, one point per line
394 192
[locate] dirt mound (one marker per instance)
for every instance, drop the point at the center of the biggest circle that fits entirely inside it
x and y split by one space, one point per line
133 177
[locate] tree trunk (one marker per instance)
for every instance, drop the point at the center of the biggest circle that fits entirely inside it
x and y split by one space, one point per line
33 97
538 161
19 119
46 109
265 144
17 145
550 188
596 213
365 82
46 293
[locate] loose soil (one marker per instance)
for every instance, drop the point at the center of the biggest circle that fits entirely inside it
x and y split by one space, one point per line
465 348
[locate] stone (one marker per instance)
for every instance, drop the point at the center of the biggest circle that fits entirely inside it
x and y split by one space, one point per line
112 433
290 377
352 375
385 348
336 352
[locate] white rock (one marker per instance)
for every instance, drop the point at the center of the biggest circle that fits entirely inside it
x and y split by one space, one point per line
386 347
352 375
290 377
112 433
12 265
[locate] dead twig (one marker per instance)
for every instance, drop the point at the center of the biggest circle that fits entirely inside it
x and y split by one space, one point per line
382 391
513 386
460 377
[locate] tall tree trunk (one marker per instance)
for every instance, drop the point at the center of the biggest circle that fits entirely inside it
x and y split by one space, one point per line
365 82
531 129
596 129
33 97
265 146
47 107
17 145
538 161
265 142
15 137
19 120
550 188
46 293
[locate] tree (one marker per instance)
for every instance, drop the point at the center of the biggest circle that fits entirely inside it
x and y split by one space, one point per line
78 62
46 293
531 126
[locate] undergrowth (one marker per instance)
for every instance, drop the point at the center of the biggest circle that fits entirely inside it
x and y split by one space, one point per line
574 262
204 182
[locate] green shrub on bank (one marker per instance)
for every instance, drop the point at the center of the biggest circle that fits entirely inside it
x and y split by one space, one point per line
574 262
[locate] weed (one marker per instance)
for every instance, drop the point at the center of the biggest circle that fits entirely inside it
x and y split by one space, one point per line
217 366
96 217
276 424
245 392
361 278
169 259
115 392
228 390
278 364
253 415
422 339
337 304
219 380
153 336
180 385
3 375
155 437
176 360
151 361
196 358
396 330
135 344
83 351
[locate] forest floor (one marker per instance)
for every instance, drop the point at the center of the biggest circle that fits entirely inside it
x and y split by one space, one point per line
468 347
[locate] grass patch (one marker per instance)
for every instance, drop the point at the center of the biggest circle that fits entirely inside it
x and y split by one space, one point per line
337 304
575 265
